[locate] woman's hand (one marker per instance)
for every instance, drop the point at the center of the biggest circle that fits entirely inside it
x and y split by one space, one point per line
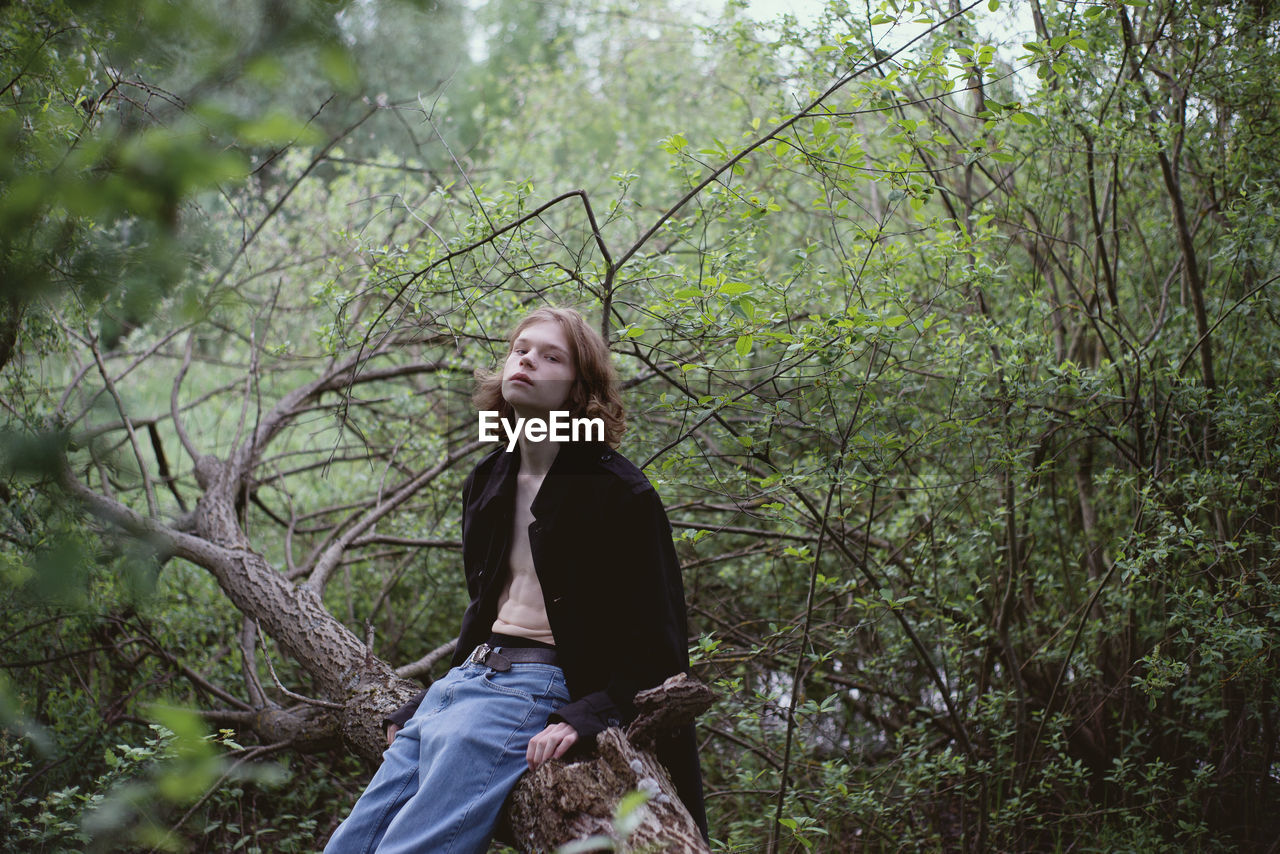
552 743
392 729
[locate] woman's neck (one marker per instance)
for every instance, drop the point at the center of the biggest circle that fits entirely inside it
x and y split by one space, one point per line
536 457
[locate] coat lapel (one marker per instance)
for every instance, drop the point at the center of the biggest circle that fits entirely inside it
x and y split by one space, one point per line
501 479
572 464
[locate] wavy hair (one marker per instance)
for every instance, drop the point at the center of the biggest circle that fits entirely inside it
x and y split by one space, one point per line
595 386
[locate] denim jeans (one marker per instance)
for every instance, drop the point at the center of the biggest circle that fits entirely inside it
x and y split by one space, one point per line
446 775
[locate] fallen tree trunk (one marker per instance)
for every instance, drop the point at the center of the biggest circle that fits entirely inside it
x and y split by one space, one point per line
573 801
559 803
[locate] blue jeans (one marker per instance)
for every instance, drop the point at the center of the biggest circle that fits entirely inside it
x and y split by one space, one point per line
446 775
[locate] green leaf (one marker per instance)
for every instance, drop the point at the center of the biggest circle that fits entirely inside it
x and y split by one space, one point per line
584 846
743 345
628 815
630 802
339 68
276 129
743 308
265 70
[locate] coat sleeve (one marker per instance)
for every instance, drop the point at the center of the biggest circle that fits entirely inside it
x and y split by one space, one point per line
401 716
645 627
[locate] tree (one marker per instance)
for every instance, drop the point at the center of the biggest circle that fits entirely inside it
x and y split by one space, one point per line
958 378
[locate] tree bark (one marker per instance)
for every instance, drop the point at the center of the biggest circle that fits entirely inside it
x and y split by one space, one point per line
571 801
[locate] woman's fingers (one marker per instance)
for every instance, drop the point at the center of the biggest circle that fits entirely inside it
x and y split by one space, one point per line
552 743
570 737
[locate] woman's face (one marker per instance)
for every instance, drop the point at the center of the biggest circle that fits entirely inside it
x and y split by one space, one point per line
539 372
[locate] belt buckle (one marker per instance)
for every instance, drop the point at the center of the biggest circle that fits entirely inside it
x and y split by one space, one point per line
479 654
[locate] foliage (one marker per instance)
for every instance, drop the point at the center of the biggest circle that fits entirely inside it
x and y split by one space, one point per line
955 361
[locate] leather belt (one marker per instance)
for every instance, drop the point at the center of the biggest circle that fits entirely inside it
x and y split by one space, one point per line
501 658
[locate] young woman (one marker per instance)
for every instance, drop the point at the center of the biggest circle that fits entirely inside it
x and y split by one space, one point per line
576 604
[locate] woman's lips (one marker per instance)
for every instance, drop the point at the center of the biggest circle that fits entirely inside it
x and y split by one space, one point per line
521 378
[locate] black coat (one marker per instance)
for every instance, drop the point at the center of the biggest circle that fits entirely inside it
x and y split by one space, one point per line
602 549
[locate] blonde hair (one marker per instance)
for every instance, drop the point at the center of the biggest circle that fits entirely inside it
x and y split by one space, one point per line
595 386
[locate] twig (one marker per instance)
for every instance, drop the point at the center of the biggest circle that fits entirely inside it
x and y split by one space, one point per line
810 601
251 754
328 560
128 425
249 663
324 704
424 664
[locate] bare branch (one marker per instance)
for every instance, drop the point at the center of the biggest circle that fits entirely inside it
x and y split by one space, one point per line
336 378
387 539
249 662
178 426
133 436
423 665
807 112
316 160
330 558
310 701
484 241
